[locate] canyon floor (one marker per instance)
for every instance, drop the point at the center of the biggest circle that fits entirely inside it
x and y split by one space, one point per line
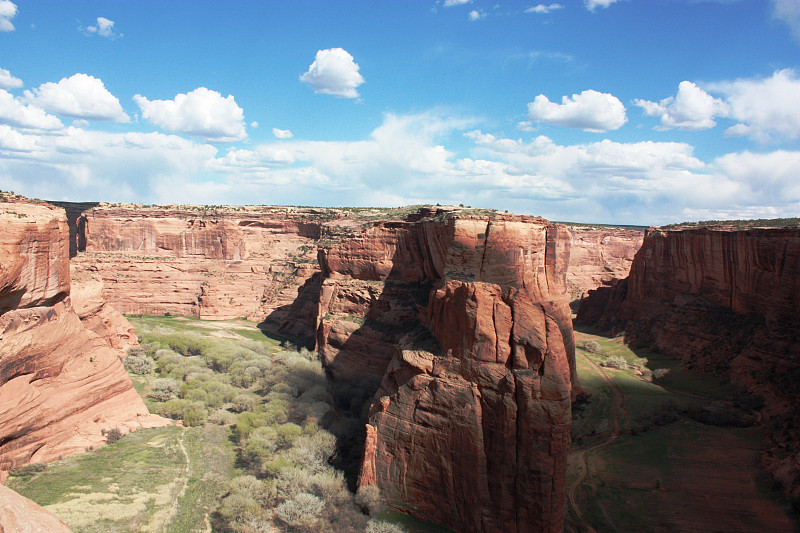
641 460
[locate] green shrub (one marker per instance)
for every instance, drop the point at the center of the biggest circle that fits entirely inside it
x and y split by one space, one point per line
139 364
301 511
164 389
112 435
381 526
591 346
615 361
29 470
370 500
243 402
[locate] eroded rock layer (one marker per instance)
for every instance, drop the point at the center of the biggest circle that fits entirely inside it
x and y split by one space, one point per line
61 384
202 262
727 302
465 321
600 255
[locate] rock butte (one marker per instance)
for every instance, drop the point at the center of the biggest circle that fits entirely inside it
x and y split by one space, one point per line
61 384
466 322
727 302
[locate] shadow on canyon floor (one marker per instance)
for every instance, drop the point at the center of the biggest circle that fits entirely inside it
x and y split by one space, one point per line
658 447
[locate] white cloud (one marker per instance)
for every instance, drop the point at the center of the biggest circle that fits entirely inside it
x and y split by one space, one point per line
201 113
766 109
691 109
590 110
451 3
788 11
79 96
15 113
254 124
476 15
406 160
104 28
282 134
334 72
7 81
14 141
543 8
7 12
591 5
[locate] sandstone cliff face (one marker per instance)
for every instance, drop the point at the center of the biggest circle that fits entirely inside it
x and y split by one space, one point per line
599 256
60 383
20 515
726 302
466 321
210 264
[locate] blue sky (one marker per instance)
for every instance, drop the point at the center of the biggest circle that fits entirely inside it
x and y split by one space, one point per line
614 111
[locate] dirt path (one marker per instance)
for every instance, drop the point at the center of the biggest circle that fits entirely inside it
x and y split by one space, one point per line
162 518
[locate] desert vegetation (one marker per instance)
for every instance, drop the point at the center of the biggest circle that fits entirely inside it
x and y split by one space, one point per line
255 453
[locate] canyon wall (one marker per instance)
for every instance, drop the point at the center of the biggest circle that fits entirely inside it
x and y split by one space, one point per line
201 262
61 385
727 302
464 321
599 256
233 262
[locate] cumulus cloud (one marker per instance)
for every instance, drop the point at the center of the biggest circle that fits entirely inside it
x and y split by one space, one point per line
767 109
451 3
691 109
200 113
15 113
591 5
8 10
282 134
590 110
334 72
14 141
543 8
104 28
79 96
788 11
476 15
7 81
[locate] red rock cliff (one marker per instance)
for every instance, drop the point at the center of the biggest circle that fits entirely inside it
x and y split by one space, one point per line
466 320
726 302
210 263
60 383
600 255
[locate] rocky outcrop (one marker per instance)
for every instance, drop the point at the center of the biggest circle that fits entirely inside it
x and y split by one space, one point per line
724 301
20 515
209 263
600 255
86 294
61 384
465 321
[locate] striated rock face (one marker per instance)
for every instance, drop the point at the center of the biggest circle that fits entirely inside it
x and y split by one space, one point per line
60 383
96 314
465 320
726 302
20 515
207 263
599 256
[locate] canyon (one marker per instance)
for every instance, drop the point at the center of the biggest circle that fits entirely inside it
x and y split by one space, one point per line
725 301
434 281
